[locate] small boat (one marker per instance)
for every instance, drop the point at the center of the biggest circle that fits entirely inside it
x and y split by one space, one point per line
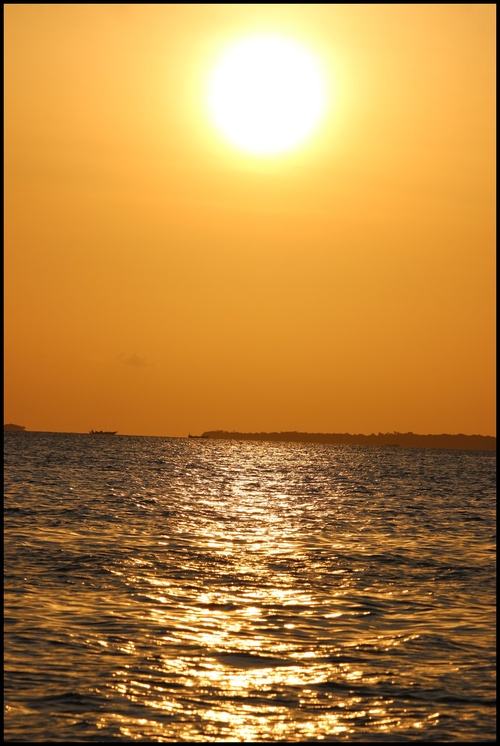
103 432
197 436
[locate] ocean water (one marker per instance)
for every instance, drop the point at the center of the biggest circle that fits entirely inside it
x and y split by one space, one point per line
168 589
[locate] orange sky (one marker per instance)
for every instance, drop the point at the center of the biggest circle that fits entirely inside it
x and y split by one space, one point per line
160 282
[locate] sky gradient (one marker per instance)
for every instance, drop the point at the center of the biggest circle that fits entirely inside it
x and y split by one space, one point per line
160 282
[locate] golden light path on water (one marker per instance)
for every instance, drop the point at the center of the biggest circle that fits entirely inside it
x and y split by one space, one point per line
246 591
246 645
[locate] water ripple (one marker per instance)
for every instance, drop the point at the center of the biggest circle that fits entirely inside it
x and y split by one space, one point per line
170 590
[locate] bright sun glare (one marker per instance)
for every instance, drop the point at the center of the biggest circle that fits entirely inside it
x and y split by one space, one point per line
267 94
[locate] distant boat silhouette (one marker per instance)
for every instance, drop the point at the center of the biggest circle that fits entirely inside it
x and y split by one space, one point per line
103 432
197 436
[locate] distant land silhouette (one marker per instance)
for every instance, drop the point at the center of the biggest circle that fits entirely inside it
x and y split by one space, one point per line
403 440
14 427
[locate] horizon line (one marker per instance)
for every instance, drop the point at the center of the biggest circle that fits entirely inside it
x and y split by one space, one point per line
264 432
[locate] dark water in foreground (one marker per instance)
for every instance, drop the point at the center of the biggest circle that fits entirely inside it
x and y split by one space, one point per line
182 590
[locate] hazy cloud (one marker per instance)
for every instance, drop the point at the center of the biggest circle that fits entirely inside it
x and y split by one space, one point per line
135 360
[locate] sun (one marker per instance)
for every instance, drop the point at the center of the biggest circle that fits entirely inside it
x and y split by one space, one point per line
267 94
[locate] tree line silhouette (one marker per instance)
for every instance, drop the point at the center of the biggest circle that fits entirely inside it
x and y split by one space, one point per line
395 439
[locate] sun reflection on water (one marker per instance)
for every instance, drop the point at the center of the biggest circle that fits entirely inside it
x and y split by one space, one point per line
253 626
261 644
239 592
253 632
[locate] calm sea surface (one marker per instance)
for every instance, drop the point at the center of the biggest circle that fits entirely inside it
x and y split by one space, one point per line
170 589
